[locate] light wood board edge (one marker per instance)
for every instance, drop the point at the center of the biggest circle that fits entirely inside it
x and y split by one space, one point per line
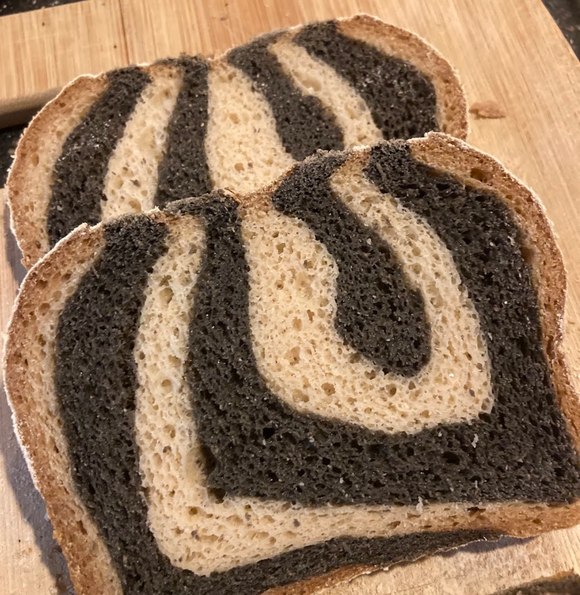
43 50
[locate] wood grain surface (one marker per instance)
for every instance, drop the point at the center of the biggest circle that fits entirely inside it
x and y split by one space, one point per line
507 52
44 49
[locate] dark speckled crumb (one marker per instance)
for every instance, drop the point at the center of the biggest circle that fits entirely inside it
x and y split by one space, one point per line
257 446
402 101
523 449
184 170
79 171
378 314
97 331
303 123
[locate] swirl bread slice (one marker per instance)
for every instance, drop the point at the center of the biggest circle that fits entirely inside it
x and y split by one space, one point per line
131 139
275 392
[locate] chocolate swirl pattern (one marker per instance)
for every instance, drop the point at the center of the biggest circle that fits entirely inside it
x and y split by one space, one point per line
205 468
182 127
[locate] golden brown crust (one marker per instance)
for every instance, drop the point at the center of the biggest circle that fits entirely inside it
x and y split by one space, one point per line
317 583
35 422
541 249
515 519
451 101
91 571
29 195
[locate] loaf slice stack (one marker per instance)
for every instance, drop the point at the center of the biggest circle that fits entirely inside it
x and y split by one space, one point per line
357 366
131 139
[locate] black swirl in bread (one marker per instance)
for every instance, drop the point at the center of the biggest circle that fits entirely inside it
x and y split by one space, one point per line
131 139
358 366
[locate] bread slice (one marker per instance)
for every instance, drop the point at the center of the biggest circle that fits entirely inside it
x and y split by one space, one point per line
276 392
131 139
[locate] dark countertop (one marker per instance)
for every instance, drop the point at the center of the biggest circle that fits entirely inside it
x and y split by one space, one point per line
565 12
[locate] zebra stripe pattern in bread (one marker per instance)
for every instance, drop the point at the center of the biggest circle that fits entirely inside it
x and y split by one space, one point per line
138 137
274 392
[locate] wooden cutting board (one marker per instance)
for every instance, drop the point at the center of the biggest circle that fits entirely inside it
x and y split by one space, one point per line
509 52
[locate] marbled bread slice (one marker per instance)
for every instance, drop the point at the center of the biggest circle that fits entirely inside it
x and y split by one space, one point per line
131 139
275 392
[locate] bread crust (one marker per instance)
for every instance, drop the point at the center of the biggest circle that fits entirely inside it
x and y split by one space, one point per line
28 203
93 573
29 196
452 113
89 563
28 207
543 254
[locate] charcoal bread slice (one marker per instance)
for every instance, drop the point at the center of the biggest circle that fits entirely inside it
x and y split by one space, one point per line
131 139
276 392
